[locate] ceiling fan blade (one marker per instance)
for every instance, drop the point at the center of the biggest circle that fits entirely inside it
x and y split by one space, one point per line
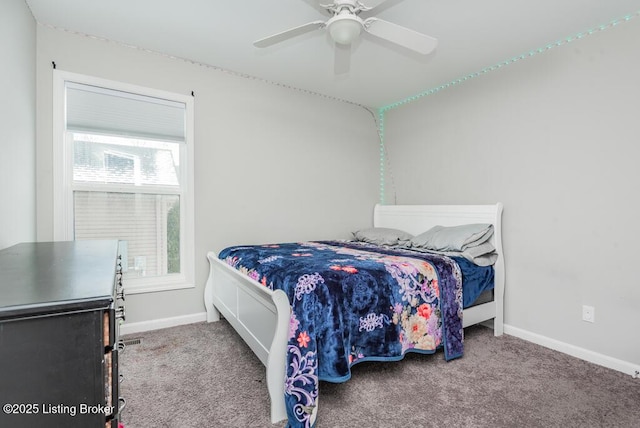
370 4
342 59
292 32
400 35
373 7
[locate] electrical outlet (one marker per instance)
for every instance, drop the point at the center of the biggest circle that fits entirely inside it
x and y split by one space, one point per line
588 313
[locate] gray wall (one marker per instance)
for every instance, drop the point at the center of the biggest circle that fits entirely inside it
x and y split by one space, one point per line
555 138
17 124
272 164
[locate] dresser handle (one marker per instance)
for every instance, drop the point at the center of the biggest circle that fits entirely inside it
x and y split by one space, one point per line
122 403
121 346
120 313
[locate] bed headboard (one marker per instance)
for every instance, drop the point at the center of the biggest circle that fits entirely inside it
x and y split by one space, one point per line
416 219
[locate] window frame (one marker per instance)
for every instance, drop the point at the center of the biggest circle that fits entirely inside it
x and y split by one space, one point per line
63 185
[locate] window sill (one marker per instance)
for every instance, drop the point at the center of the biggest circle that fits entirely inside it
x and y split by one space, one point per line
157 287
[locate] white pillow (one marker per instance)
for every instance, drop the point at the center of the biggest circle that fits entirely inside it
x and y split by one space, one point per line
382 236
454 238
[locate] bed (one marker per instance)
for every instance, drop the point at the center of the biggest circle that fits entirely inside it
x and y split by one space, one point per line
264 317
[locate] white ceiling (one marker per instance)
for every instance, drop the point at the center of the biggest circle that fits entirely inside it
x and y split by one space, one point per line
472 35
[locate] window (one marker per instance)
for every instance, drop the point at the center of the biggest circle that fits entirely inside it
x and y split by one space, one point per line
124 170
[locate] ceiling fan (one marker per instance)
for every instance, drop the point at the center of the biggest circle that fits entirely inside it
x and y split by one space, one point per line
345 25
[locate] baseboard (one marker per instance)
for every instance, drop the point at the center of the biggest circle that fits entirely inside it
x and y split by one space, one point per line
138 327
575 351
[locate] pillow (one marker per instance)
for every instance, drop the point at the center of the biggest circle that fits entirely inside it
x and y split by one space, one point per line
382 236
482 255
455 238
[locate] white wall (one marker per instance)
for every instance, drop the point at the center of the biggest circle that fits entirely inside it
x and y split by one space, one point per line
272 164
555 138
17 124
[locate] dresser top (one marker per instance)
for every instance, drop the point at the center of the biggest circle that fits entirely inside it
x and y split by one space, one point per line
49 277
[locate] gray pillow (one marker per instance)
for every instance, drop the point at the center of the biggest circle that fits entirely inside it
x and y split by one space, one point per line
382 236
455 238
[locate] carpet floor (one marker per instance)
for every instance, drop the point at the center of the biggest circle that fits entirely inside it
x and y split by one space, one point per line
204 376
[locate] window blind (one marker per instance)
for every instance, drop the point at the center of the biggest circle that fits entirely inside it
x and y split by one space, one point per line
106 111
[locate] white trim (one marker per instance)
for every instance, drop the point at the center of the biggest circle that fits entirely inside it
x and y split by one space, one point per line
157 324
187 201
575 351
63 172
58 157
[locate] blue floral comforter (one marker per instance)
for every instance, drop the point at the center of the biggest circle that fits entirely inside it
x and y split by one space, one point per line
354 302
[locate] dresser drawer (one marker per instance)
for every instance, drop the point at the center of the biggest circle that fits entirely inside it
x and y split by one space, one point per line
53 363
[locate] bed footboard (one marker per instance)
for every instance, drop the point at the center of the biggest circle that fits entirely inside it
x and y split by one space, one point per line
261 318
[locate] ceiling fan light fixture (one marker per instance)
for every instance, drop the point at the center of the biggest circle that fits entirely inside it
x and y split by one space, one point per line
345 25
345 29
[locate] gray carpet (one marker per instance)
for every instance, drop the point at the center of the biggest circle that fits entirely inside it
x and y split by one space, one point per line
203 375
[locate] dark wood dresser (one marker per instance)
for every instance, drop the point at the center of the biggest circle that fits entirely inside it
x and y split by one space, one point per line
61 304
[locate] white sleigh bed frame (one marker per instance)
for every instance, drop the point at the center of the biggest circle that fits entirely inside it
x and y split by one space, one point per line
261 316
